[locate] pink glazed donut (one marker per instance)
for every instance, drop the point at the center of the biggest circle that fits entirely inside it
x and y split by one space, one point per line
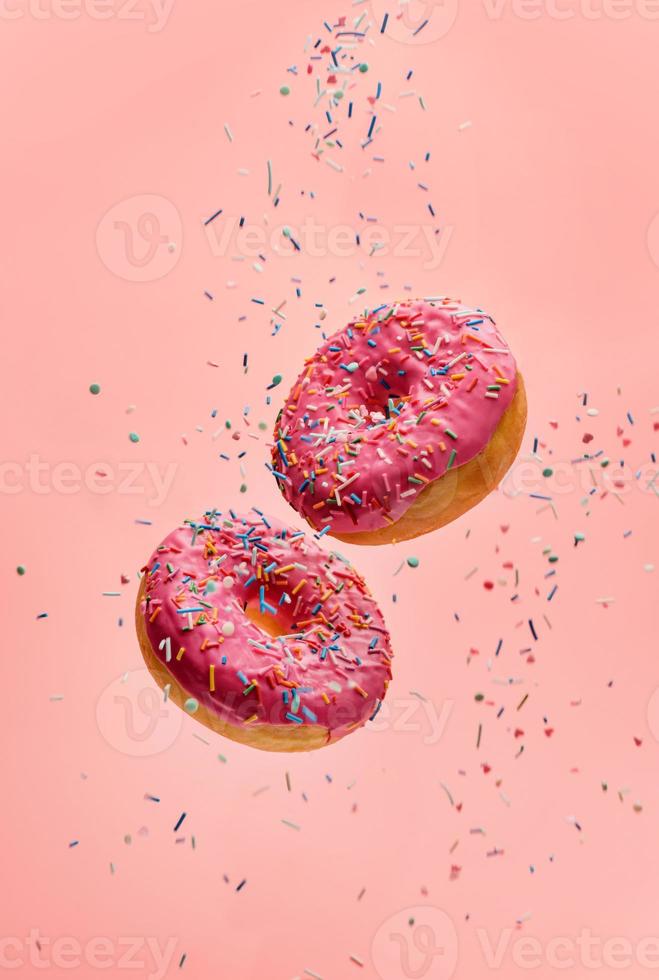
260 634
400 422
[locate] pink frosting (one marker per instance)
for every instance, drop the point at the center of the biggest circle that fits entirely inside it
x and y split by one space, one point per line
385 407
332 663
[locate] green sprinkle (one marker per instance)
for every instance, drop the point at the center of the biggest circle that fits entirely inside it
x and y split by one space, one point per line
479 697
191 705
263 426
133 436
338 95
363 68
284 90
276 380
451 433
20 570
95 389
243 488
451 459
413 562
548 471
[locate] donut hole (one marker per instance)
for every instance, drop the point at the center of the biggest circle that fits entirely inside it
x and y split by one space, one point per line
376 398
272 625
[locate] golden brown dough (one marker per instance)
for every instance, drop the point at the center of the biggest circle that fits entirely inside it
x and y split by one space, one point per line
459 489
271 738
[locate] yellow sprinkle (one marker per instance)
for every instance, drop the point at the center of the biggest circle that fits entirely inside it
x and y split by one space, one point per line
299 586
212 677
180 653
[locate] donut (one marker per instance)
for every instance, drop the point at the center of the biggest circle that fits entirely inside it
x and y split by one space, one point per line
400 422
260 634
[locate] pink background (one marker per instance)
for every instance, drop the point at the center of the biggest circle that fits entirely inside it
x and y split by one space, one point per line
550 196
